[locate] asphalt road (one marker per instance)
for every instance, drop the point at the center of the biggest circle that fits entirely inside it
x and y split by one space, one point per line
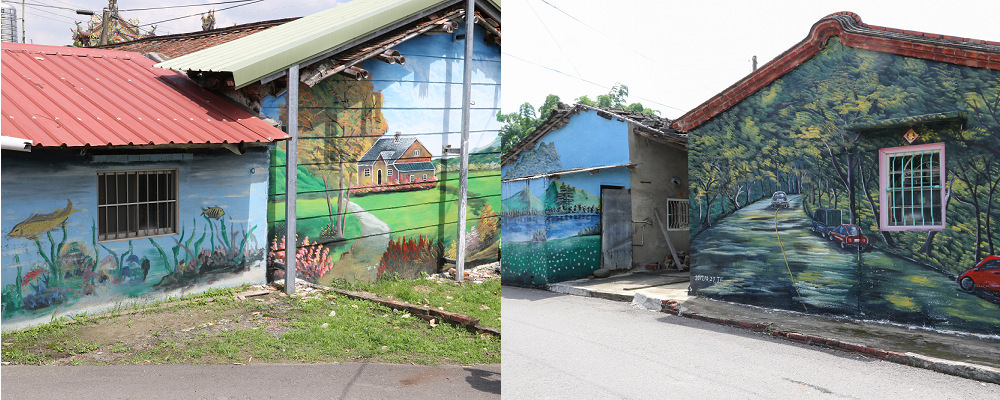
260 381
567 347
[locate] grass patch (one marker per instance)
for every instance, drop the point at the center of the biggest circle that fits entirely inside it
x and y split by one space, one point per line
215 327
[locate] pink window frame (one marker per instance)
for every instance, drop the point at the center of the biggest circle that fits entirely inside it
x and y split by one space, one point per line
883 183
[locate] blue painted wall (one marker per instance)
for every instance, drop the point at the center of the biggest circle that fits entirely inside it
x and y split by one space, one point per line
551 225
66 271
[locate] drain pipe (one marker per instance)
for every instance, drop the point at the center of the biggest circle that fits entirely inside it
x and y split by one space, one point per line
463 175
291 167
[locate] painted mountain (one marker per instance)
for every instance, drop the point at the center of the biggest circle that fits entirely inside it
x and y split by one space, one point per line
542 159
562 198
523 201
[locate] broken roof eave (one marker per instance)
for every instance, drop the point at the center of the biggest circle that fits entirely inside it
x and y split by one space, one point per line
559 118
265 54
569 171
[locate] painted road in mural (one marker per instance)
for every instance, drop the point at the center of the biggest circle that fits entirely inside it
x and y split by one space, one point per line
741 259
366 251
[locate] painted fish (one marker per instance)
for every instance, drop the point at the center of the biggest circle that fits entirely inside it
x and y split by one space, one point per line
38 224
213 212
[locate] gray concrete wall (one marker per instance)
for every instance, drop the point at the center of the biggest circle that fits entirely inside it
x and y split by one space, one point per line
652 184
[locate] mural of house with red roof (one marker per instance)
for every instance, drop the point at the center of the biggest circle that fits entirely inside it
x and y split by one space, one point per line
395 160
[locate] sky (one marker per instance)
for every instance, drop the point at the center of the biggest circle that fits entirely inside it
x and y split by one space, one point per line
673 55
49 21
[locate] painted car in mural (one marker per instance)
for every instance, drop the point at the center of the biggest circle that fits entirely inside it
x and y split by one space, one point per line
376 196
985 275
779 200
844 135
848 235
825 219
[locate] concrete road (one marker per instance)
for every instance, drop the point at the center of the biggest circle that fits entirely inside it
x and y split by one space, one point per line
568 347
260 381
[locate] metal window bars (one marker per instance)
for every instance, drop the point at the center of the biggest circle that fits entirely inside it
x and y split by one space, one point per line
914 188
677 214
138 203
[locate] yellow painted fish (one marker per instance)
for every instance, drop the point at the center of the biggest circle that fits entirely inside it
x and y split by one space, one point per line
213 212
38 224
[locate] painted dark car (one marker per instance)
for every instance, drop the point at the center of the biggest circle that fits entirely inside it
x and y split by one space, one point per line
985 275
779 200
825 219
848 236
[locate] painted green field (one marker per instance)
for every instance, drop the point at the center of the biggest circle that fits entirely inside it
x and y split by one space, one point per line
413 213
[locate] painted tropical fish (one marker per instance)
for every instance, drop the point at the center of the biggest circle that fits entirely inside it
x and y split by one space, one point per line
38 224
213 212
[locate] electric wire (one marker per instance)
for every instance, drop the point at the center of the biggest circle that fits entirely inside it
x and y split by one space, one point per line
588 81
202 13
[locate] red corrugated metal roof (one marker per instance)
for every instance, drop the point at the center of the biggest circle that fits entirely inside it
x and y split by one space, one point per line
71 96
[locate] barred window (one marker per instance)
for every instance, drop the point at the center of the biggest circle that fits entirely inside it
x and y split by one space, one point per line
425 177
389 171
135 204
677 214
911 188
368 172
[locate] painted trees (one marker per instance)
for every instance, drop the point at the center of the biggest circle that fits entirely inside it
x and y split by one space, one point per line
339 119
817 129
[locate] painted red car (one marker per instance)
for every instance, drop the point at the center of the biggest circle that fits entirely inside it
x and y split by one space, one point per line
848 236
985 275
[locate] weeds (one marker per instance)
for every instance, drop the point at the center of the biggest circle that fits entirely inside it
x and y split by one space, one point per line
214 327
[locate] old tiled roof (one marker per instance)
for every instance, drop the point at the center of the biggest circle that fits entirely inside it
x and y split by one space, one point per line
651 126
344 35
388 148
847 26
184 43
70 96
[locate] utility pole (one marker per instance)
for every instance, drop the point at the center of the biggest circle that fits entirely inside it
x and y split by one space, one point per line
104 25
463 174
291 168
23 39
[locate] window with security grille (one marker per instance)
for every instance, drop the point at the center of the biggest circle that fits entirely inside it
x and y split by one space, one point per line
911 188
677 214
135 204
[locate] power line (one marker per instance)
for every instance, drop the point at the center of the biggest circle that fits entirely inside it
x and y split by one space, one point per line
198 14
35 8
554 40
185 5
622 43
588 81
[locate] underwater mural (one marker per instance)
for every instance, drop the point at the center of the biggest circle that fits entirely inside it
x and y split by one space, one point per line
58 260
859 183
551 223
376 194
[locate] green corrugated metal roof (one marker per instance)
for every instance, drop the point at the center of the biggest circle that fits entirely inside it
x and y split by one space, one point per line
259 55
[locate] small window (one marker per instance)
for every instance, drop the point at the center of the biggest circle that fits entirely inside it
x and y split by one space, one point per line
425 177
135 204
389 172
911 188
677 214
368 172
412 178
416 152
